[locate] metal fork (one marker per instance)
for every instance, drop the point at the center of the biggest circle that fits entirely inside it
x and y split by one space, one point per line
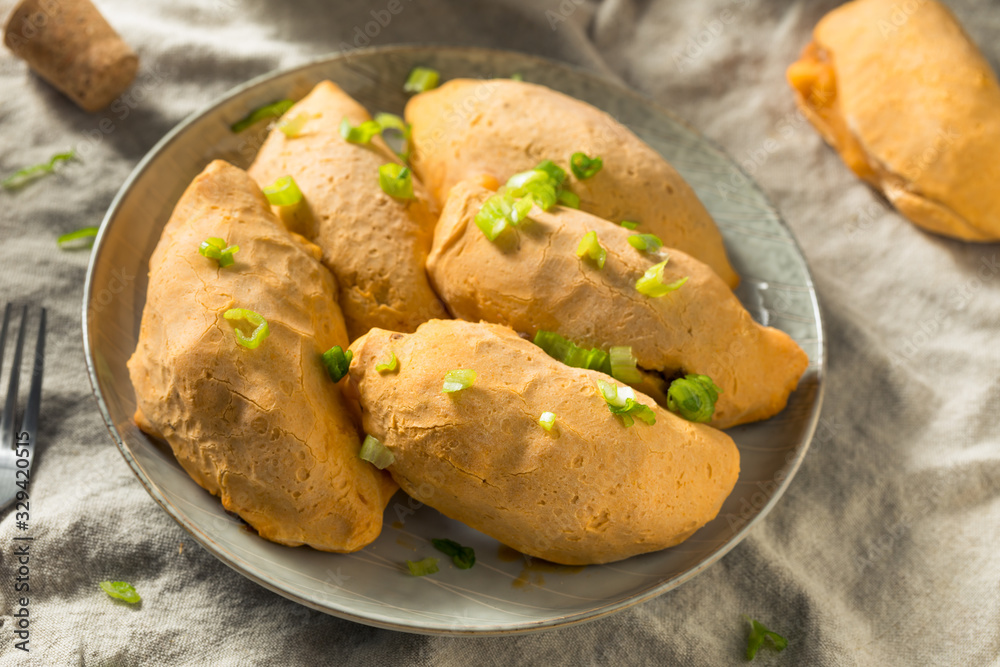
17 448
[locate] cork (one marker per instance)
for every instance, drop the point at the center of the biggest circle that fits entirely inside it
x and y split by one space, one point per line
69 44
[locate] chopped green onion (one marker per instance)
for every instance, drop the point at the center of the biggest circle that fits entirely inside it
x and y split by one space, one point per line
373 451
261 332
557 173
283 192
273 110
651 283
389 121
758 633
216 248
501 211
390 364
121 590
567 198
458 379
584 167
517 76
693 397
537 183
28 174
292 127
647 242
421 568
623 365
86 233
421 80
622 403
396 180
572 354
362 134
337 362
462 557
629 224
547 420
590 247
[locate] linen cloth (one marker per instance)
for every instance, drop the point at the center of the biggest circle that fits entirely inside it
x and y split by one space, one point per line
882 552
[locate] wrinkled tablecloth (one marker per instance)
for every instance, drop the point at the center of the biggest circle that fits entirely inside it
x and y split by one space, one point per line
884 551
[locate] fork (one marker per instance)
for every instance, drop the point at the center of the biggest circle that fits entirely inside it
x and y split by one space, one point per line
17 448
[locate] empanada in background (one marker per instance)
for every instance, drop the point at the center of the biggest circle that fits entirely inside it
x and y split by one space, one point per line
531 278
375 244
266 429
470 128
591 490
912 107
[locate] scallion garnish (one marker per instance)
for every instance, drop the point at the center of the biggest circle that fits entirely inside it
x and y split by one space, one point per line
568 199
693 397
362 134
258 335
273 110
392 122
590 247
337 362
458 379
87 233
758 633
547 420
373 451
462 557
421 79
557 173
535 182
572 354
623 366
517 76
583 166
651 283
121 590
283 192
629 224
28 174
501 211
292 127
216 248
396 180
622 402
421 568
389 364
647 242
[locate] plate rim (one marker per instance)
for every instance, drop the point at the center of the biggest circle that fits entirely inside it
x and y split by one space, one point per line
566 620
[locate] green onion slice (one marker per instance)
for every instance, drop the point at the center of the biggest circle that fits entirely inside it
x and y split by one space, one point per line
390 364
292 127
421 79
216 248
557 173
373 451
283 192
535 182
337 362
396 180
572 354
629 224
622 403
28 174
390 121
647 242
693 397
590 247
273 110
567 198
517 76
623 366
462 557
584 167
258 335
758 633
547 420
362 134
651 283
87 233
421 568
501 211
121 590
458 379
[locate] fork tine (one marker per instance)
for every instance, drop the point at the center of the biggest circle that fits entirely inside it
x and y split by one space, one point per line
30 422
7 423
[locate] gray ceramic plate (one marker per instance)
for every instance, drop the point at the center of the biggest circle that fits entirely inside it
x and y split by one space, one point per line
504 592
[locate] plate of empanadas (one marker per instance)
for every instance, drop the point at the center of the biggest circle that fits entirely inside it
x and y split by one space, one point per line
453 340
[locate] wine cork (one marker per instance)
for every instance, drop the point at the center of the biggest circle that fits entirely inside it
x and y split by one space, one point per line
69 44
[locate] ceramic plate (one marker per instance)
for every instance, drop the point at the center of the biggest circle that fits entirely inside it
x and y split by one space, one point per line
504 592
